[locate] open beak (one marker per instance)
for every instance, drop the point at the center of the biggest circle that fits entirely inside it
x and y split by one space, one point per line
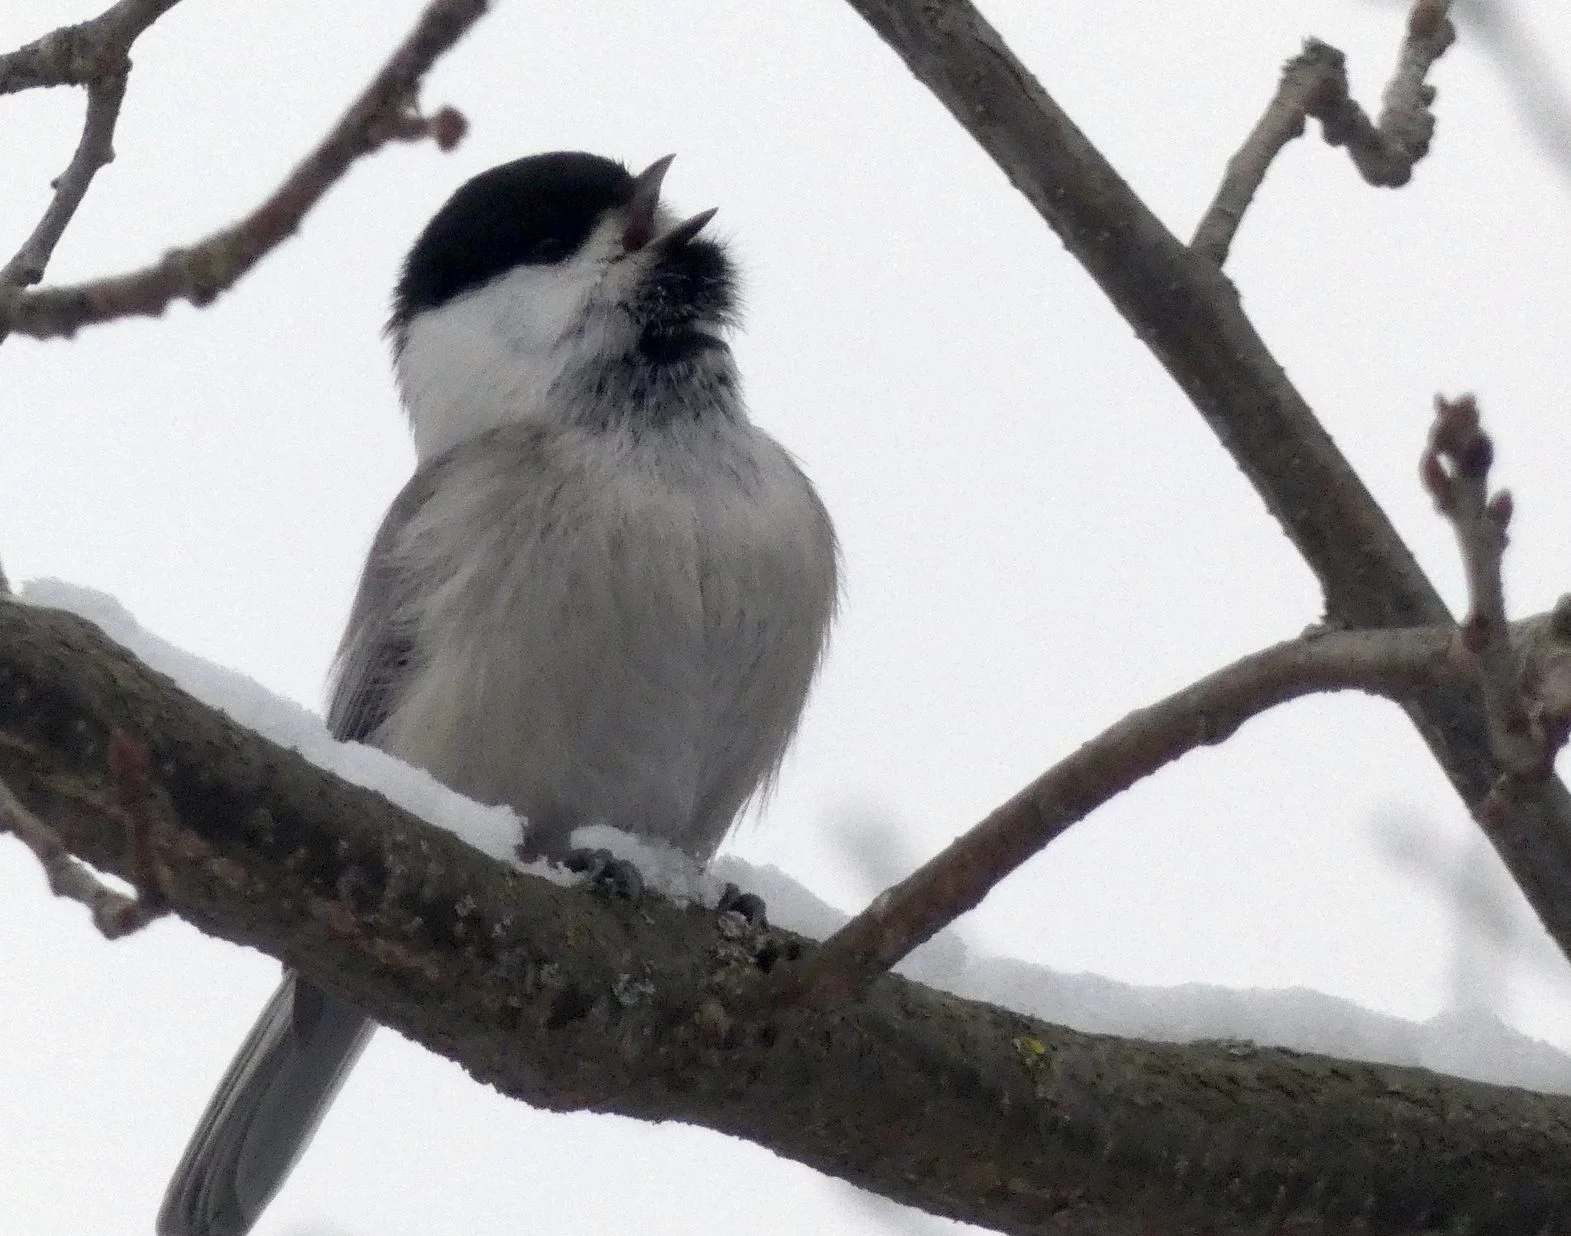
639 229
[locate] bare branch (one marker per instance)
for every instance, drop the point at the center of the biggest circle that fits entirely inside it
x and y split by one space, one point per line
114 914
146 809
1182 307
94 54
1544 677
384 112
1526 688
82 54
1499 29
94 150
1314 84
1385 153
1389 663
1305 79
1525 672
1455 469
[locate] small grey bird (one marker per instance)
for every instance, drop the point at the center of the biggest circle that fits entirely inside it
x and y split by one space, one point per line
601 598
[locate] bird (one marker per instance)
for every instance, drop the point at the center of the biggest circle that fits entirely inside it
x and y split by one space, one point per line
601 598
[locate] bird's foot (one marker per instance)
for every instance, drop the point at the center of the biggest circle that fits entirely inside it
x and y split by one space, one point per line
606 871
749 905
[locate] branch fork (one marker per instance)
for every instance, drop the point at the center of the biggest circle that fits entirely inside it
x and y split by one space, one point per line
1524 671
141 804
386 111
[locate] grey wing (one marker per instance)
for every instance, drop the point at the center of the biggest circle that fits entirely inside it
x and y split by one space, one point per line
377 651
287 1073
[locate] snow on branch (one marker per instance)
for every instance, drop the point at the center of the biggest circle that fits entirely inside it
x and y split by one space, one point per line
574 1001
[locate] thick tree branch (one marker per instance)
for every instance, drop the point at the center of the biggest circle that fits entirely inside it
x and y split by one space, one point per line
573 1001
1314 84
384 112
1186 312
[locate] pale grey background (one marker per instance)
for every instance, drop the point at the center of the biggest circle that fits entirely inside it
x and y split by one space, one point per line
1039 533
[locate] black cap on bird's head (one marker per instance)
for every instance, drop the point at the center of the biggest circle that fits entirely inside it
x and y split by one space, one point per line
540 211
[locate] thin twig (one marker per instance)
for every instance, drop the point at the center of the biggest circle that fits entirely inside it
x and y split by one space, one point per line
146 809
1455 470
1305 79
81 54
1314 84
1385 152
1389 663
384 112
95 54
1525 671
1526 687
94 150
1182 307
114 914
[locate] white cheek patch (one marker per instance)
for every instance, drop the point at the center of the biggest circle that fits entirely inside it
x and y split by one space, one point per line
490 357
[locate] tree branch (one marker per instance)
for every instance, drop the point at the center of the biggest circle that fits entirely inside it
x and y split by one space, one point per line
1455 468
1529 711
572 1001
95 54
1205 713
1182 307
384 112
82 54
1314 84
94 150
114 914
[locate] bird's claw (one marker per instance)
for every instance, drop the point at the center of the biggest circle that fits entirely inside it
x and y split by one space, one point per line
605 870
749 905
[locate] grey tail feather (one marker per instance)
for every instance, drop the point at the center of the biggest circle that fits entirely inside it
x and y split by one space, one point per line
264 1112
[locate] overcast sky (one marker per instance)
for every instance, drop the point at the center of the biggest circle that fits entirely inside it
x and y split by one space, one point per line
1040 534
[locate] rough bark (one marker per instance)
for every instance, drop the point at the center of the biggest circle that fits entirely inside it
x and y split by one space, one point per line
569 1000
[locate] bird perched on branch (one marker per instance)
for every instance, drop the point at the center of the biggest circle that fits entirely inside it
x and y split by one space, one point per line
600 599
